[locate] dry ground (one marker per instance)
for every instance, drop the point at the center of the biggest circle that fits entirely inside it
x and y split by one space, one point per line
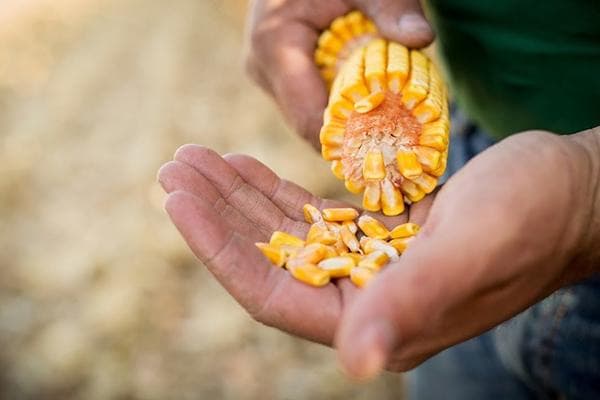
99 297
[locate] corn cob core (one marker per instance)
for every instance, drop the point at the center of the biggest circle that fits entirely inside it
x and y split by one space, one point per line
386 126
339 244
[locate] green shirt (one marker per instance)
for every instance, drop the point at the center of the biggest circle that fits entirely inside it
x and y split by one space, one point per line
515 65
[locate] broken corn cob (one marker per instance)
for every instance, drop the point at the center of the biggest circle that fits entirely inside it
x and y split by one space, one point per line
339 244
386 127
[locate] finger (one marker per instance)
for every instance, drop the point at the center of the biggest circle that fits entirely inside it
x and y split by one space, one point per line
288 196
236 193
285 54
399 20
269 294
176 175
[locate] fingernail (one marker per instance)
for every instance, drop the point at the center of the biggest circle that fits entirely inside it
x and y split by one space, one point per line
373 345
411 23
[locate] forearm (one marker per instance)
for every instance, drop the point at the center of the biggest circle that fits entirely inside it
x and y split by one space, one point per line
586 147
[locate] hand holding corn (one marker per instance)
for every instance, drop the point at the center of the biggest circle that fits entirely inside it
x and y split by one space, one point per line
515 224
282 37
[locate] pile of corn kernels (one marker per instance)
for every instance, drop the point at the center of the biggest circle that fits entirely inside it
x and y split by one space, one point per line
339 244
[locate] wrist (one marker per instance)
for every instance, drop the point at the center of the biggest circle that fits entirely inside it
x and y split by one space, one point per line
585 153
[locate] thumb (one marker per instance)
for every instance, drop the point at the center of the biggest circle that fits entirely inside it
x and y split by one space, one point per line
399 20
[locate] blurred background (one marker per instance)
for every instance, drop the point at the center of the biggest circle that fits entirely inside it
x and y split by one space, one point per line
99 296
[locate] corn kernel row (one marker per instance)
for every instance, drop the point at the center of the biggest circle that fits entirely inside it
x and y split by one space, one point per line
339 244
386 127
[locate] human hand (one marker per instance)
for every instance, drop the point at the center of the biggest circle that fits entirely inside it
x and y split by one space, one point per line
519 221
222 206
282 37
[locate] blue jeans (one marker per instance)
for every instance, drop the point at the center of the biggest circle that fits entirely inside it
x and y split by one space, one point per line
549 351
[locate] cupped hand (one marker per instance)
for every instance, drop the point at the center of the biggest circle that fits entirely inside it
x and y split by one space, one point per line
515 224
282 37
222 206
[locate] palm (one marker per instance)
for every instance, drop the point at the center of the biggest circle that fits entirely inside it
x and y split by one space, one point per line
222 206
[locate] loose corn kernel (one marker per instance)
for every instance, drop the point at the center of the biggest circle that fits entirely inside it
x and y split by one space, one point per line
370 245
351 226
338 169
312 254
361 276
408 164
310 274
337 267
311 214
401 244
373 228
275 254
369 103
340 214
375 261
279 238
330 252
349 239
318 233
372 196
374 166
404 230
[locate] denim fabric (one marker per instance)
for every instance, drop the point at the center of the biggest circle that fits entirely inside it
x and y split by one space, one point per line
549 351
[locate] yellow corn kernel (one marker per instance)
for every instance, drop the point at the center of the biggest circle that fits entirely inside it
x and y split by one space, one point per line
338 267
412 191
341 29
329 41
426 183
417 86
332 135
438 142
330 252
439 171
370 245
428 158
355 256
361 276
375 260
354 87
374 166
405 230
375 65
310 274
279 238
354 186
275 254
392 202
322 57
330 153
349 239
369 103
430 109
341 108
351 225
338 169
401 244
408 165
311 214
356 21
340 214
398 66
312 253
372 228
318 233
370 27
372 197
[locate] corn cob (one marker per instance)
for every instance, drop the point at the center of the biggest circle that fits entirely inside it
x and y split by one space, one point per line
385 129
339 244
